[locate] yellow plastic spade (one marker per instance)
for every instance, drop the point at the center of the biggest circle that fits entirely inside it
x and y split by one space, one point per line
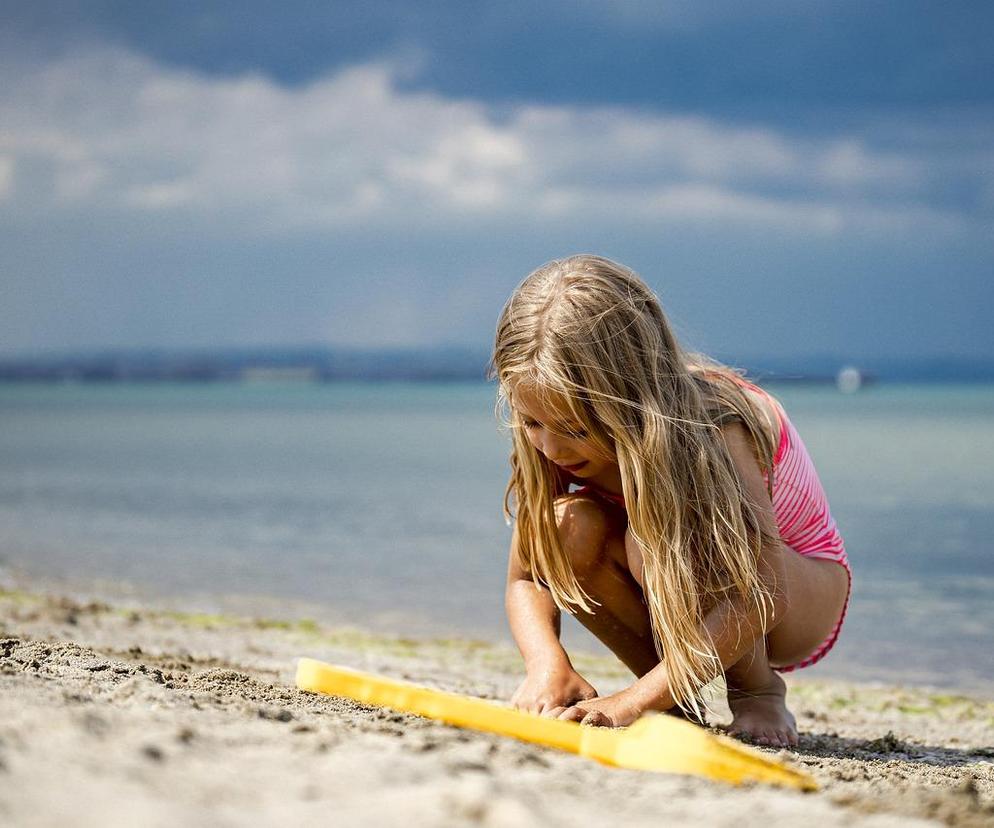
655 743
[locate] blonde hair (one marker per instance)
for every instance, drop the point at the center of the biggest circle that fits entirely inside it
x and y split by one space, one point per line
590 333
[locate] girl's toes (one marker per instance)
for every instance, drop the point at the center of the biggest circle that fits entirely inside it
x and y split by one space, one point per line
788 739
735 732
770 738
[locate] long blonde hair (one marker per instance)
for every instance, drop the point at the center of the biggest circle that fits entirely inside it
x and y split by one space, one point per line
590 333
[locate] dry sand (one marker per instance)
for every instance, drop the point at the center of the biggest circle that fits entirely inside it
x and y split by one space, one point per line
122 717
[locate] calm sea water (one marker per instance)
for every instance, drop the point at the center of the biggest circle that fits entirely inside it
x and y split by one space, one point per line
379 506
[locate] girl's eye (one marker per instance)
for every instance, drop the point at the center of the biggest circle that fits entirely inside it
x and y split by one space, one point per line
574 434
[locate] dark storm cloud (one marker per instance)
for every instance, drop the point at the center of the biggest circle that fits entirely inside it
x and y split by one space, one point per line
805 177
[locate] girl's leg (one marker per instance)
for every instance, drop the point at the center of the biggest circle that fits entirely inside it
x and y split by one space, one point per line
593 536
757 697
817 591
608 565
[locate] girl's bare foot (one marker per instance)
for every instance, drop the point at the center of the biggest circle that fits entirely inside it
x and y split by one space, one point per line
760 714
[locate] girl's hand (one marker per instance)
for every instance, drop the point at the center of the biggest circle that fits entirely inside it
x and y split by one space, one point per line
551 688
616 710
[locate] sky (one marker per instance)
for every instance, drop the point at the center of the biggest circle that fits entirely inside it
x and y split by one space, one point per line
793 177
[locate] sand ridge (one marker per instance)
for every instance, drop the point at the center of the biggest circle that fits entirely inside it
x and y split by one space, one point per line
108 717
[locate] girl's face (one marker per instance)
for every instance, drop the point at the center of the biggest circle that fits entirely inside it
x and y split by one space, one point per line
552 431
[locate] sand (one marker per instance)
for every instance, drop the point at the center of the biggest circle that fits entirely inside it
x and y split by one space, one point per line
113 716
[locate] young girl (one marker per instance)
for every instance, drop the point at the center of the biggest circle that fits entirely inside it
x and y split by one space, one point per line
662 499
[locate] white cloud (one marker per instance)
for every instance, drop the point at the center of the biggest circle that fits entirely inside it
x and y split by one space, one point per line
114 131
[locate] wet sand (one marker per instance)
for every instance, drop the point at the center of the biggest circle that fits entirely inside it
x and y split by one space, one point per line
121 716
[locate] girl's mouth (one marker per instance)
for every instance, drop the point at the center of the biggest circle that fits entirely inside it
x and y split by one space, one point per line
574 468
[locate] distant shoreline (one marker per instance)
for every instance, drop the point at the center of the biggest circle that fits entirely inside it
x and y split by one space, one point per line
429 364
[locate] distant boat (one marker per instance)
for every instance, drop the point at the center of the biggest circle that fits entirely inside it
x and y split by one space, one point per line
849 379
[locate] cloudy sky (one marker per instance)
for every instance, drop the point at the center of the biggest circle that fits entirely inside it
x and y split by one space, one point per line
793 177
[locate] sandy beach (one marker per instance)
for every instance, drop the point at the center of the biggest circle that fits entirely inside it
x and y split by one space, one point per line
121 716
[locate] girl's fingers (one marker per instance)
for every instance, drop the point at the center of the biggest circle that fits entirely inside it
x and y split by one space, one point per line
597 719
585 717
553 712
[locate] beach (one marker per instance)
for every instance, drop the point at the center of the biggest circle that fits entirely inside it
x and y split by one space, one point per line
117 715
309 314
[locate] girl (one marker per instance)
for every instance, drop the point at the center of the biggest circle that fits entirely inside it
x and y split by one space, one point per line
662 499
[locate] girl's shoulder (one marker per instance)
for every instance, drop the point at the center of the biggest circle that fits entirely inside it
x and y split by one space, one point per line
731 398
763 400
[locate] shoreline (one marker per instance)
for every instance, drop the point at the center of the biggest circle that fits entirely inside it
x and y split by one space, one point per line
107 712
846 664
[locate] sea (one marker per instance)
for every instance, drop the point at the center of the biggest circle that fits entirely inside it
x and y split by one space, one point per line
378 506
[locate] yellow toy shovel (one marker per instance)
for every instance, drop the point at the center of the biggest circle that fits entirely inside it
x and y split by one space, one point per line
656 743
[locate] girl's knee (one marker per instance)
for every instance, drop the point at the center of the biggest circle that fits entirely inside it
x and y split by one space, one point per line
585 526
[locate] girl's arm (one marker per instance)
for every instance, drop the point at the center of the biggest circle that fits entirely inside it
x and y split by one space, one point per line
533 616
551 682
734 629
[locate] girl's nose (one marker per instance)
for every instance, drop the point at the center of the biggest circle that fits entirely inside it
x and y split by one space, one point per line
552 445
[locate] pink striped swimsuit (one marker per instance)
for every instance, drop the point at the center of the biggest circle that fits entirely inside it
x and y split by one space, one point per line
803 518
801 510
